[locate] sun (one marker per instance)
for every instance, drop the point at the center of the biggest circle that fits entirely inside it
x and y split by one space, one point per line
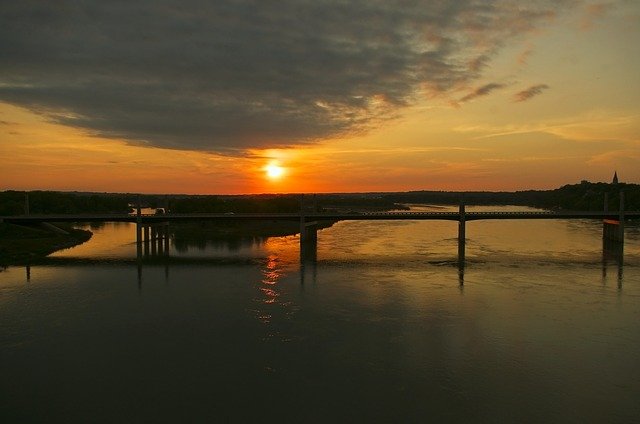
274 171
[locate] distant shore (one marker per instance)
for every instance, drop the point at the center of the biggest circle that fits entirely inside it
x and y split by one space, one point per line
21 245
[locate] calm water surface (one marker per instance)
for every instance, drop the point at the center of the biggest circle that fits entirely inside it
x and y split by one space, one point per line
541 326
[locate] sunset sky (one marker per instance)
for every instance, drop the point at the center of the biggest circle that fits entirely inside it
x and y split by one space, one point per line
231 97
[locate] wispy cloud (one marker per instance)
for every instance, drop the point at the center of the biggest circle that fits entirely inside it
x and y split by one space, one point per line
481 91
229 75
523 57
594 12
395 151
589 127
530 92
629 156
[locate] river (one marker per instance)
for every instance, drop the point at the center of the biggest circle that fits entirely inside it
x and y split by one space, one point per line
541 325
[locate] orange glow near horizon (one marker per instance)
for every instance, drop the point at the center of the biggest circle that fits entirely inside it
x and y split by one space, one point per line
40 155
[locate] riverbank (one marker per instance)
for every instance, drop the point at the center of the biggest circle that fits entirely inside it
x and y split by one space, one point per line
22 244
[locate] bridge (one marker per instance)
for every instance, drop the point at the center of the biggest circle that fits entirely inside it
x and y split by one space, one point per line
315 216
152 229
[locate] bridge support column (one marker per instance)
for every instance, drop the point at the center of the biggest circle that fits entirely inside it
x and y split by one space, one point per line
308 252
621 218
612 251
145 236
461 234
308 239
308 231
612 229
138 231
162 238
166 238
154 240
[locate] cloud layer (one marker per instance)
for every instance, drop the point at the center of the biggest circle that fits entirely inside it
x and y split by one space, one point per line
229 75
530 92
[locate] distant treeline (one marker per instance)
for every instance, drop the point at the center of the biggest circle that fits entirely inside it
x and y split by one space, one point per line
273 203
50 202
237 204
583 196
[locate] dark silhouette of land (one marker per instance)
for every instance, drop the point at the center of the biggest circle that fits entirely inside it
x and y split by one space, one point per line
585 196
21 244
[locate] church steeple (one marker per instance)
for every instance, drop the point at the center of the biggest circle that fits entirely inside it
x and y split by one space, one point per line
615 178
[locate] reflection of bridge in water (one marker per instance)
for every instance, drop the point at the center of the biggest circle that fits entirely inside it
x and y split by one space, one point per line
612 257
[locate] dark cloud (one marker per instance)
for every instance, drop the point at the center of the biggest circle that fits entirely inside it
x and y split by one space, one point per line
481 91
534 90
230 75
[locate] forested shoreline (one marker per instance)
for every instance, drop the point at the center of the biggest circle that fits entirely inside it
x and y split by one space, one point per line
583 196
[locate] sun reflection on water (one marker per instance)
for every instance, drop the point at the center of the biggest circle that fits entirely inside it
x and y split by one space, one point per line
273 307
271 274
268 289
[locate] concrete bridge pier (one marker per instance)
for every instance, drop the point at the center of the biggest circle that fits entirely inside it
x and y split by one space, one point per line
621 218
612 253
308 253
162 234
613 229
461 235
162 238
308 239
145 239
138 232
154 236
152 239
308 231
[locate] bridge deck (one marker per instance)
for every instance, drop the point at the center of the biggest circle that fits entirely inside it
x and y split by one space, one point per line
313 216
